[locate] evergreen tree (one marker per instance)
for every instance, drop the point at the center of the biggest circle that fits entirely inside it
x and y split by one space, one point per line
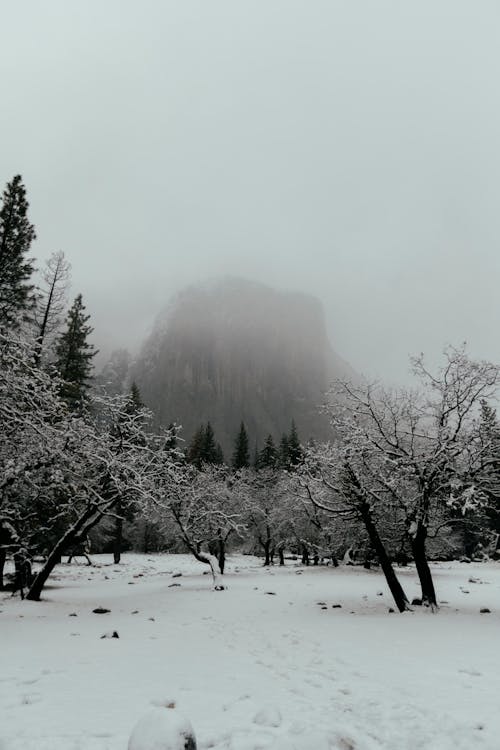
203 448
74 355
241 455
135 399
294 447
194 453
255 463
209 452
268 456
283 454
219 455
16 236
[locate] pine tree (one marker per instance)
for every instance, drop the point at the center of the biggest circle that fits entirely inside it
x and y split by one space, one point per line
74 355
219 455
16 236
283 454
135 399
203 448
294 448
209 447
241 455
268 456
194 454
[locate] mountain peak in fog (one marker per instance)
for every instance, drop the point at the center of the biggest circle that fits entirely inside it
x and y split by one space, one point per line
230 350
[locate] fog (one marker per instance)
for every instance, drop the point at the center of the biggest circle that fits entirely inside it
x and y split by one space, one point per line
344 149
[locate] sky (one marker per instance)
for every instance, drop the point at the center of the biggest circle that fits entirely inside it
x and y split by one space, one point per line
345 148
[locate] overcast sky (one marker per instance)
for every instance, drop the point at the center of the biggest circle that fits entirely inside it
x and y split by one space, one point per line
346 148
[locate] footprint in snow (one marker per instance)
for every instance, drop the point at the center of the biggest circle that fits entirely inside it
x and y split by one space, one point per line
471 672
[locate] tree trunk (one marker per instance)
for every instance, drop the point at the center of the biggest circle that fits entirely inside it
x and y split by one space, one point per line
3 557
221 555
424 572
305 555
73 535
118 539
267 553
281 554
395 587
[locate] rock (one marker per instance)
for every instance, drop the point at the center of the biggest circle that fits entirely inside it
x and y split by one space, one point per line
176 575
171 585
135 612
320 604
101 611
162 729
72 614
271 593
324 607
380 593
416 602
110 634
485 611
336 606
268 717
391 611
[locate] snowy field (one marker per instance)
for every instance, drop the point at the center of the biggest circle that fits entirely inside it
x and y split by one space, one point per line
267 663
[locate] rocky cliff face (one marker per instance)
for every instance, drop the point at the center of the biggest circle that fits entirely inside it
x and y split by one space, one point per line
237 350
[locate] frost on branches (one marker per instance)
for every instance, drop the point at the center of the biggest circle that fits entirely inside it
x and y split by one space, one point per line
63 473
409 455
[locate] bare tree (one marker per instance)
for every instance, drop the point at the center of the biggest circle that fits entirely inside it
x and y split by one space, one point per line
336 481
416 447
51 300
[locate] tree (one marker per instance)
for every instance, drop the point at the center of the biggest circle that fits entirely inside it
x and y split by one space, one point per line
417 446
283 455
263 494
203 448
267 458
74 355
51 300
342 481
241 455
209 452
133 415
105 461
16 236
295 452
113 376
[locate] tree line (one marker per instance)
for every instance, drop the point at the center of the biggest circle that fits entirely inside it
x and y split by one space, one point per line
406 474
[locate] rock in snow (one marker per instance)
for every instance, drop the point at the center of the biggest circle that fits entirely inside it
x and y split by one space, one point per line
162 729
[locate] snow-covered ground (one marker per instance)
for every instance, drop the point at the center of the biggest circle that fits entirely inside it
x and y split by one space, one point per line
267 663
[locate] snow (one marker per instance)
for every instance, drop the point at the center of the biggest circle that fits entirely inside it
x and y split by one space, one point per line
251 671
161 729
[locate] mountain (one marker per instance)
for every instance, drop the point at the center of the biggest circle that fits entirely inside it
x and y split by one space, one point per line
237 350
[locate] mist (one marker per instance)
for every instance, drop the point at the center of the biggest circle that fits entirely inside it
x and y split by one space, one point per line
344 150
